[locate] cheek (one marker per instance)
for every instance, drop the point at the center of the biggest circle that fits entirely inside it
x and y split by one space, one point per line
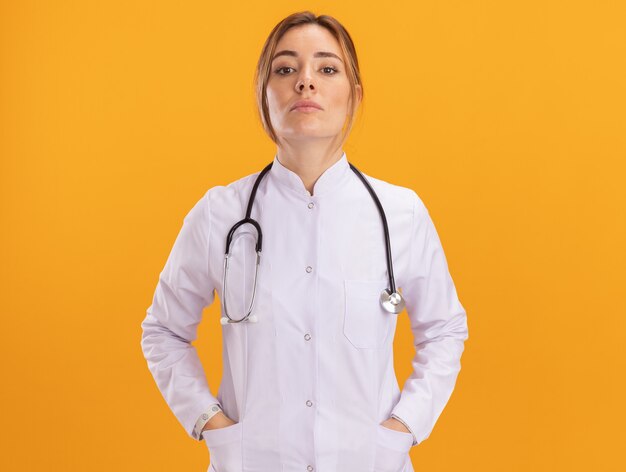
271 97
274 104
341 98
341 102
277 99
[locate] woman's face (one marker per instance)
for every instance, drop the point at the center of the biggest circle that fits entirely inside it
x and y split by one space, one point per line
308 65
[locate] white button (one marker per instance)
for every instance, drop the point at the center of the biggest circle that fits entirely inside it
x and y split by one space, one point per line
309 468
309 403
205 416
307 336
309 268
311 205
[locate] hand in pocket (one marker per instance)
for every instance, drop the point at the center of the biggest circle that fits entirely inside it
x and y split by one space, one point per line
224 446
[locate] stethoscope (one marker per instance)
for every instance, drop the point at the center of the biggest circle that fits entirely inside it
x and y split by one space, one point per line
390 299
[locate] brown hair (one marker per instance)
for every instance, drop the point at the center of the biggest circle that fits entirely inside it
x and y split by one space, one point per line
263 70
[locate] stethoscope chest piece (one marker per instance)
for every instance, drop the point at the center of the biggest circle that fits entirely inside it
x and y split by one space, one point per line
392 302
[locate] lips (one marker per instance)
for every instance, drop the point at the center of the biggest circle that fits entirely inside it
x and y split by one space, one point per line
306 104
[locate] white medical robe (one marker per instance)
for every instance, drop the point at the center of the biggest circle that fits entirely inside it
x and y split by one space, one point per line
311 381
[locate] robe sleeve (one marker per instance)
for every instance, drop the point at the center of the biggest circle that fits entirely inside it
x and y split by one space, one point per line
183 290
439 325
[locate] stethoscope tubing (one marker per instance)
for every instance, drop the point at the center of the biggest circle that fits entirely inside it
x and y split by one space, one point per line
381 211
391 292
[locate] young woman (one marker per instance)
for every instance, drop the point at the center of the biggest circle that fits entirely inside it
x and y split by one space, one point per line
322 264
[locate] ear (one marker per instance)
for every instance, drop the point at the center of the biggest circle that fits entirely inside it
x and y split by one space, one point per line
359 91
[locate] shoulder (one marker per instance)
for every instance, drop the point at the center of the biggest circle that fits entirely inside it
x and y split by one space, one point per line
398 196
220 198
220 195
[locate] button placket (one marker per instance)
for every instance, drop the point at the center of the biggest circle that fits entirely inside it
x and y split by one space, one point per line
311 223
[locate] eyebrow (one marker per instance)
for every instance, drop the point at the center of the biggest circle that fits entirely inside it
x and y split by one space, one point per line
287 52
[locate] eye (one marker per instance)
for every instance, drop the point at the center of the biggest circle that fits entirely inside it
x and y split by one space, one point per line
278 71
331 70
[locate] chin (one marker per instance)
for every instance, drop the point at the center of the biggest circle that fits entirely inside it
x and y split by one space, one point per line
307 134
310 131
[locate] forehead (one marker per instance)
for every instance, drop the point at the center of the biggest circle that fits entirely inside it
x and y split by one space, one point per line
309 38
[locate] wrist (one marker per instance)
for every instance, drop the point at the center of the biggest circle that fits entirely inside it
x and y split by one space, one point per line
204 418
393 423
219 420
406 426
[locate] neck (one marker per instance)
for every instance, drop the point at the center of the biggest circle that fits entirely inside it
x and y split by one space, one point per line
308 162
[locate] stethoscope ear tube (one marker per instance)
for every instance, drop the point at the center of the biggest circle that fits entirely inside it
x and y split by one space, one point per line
259 242
251 318
259 245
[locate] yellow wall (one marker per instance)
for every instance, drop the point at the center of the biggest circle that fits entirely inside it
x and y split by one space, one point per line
507 118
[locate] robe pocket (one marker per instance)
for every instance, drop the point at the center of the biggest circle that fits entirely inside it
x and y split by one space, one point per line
392 449
366 322
225 449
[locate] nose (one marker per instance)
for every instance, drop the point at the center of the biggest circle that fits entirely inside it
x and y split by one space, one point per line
304 83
